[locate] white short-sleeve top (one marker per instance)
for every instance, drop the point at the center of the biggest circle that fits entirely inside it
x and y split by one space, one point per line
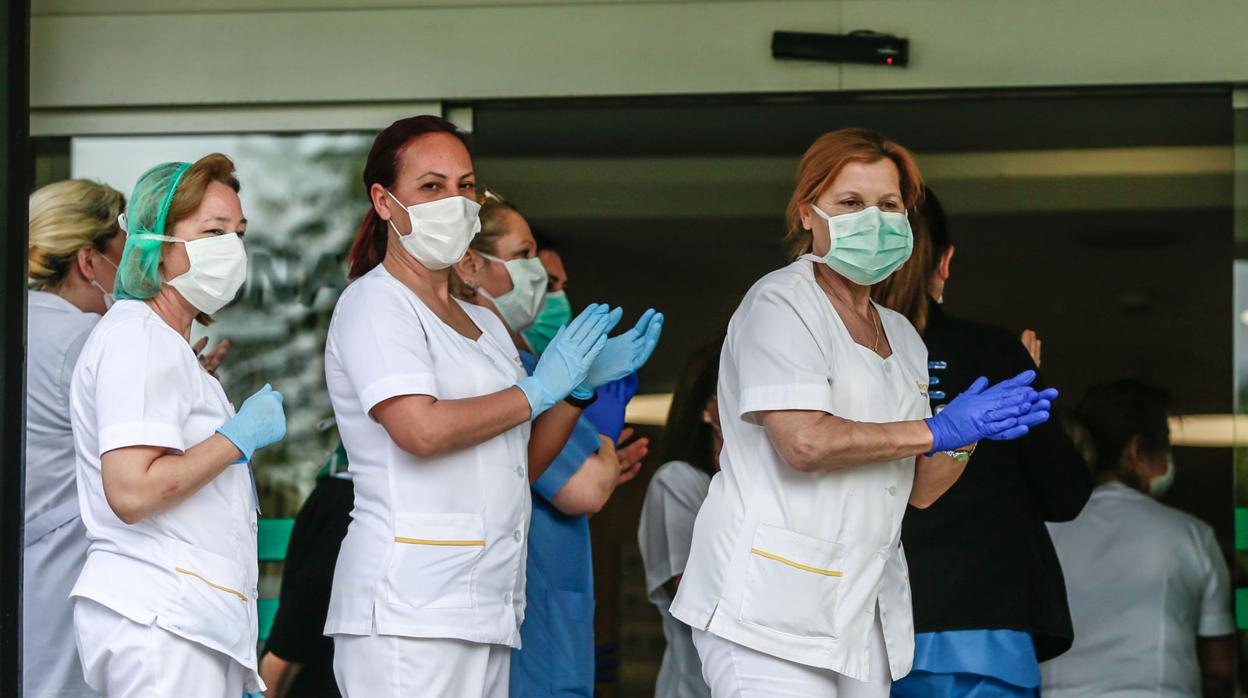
795 564
1144 582
673 498
436 546
192 568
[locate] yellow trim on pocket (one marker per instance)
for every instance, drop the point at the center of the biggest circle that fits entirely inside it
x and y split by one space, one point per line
228 590
798 565
453 543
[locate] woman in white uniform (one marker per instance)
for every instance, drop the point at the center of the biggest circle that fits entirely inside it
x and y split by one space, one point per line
75 247
796 582
673 498
441 427
166 602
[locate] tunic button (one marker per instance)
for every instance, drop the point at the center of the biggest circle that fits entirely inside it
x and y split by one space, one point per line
516 535
892 490
507 597
519 471
255 527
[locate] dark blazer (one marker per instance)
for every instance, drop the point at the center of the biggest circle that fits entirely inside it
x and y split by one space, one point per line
981 557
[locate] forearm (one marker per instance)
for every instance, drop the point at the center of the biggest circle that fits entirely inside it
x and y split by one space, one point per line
550 434
138 485
427 427
588 491
933 476
278 674
1217 665
820 442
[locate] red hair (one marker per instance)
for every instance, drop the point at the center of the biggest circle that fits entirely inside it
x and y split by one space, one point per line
382 167
825 159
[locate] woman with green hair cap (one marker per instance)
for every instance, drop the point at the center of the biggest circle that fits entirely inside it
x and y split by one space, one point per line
166 602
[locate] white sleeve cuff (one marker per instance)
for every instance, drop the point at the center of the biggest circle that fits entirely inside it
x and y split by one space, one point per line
1215 625
141 434
768 398
393 386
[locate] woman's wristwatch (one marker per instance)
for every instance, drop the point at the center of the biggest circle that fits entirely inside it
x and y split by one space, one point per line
963 454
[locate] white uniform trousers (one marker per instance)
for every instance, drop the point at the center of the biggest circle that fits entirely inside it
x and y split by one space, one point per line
123 659
389 666
736 671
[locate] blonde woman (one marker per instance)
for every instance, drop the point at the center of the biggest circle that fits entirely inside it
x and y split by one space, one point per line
75 247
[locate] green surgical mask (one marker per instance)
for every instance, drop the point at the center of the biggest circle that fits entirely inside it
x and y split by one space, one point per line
866 246
555 312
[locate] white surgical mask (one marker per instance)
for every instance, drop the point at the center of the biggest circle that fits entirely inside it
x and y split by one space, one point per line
218 270
1159 485
441 230
109 298
520 305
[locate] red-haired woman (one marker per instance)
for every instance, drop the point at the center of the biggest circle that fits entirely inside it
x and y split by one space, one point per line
796 581
442 426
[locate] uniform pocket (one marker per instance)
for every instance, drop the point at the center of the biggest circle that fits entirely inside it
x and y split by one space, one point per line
214 606
434 562
792 582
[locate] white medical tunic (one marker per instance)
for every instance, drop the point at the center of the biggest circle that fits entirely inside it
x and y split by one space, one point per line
191 569
795 564
673 498
1144 582
55 539
436 547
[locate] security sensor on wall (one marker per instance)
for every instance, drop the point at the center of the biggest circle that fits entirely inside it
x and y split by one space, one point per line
854 47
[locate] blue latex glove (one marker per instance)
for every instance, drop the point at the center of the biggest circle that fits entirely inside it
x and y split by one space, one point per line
567 358
607 412
260 422
625 353
1004 411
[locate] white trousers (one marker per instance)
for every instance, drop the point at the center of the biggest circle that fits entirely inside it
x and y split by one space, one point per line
736 671
123 659
387 666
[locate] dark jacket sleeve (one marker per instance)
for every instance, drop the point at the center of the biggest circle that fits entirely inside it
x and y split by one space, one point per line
1059 479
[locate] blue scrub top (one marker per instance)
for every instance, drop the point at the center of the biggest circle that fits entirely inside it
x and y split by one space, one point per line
971 663
557 638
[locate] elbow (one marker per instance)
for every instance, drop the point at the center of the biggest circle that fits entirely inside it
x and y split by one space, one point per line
421 444
127 508
582 506
920 500
801 455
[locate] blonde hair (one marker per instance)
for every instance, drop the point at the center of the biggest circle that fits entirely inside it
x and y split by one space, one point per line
492 208
64 218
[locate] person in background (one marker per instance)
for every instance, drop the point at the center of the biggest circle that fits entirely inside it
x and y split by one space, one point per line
443 428
557 638
989 602
1149 588
298 659
75 247
672 501
166 601
823 403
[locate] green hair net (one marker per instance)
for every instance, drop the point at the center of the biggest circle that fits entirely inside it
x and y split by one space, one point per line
138 275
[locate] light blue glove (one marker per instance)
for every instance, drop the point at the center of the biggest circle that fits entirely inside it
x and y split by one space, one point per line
624 354
1004 411
567 358
260 422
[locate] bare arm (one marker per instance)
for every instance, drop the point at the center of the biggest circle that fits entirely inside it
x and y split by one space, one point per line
588 490
425 426
140 481
550 433
933 476
278 674
1217 665
814 442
